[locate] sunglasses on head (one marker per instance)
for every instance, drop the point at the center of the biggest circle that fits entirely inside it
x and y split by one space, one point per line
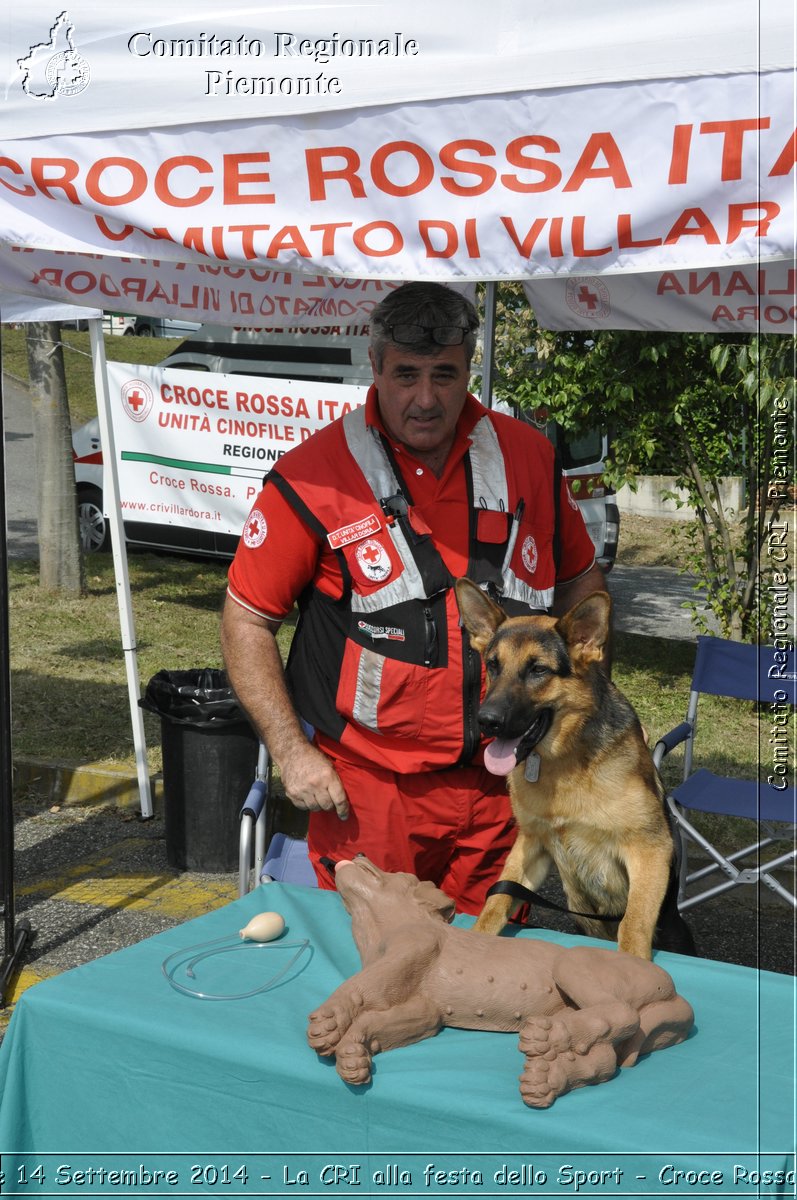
441 335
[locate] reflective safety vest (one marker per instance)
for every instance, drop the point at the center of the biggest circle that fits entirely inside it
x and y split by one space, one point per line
386 671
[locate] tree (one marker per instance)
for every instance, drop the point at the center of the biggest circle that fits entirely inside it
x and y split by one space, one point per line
714 405
60 557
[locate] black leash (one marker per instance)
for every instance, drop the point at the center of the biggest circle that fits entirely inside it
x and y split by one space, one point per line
508 887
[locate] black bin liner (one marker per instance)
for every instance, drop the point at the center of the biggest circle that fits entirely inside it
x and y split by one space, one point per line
209 762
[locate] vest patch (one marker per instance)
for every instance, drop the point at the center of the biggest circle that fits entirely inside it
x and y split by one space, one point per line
374 561
391 633
354 532
528 553
255 529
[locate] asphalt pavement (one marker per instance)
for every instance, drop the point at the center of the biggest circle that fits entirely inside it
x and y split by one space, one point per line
91 876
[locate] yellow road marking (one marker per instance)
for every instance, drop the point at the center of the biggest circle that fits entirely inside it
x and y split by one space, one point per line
98 881
21 982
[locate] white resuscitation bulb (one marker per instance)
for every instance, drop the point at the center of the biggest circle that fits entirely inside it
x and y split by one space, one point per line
264 927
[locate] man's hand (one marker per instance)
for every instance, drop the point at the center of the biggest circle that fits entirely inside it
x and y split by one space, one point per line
254 668
312 783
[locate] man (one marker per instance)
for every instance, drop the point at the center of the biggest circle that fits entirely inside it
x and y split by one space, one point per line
367 525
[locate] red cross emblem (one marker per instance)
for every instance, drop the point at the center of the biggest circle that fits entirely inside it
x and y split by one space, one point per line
255 529
374 561
588 298
137 399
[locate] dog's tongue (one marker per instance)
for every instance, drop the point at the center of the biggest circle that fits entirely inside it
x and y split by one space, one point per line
499 755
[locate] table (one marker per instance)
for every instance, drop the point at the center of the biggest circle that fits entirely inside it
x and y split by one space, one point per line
108 1064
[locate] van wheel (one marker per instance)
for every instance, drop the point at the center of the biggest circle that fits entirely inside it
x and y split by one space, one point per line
144 331
95 536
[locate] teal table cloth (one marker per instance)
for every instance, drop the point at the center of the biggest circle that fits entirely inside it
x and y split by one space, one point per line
125 1085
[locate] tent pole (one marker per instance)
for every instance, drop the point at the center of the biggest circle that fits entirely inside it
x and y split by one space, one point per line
488 355
14 938
110 491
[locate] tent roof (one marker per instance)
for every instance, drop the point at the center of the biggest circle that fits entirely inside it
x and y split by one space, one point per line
147 62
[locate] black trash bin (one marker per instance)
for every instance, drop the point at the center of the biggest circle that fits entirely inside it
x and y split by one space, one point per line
209 762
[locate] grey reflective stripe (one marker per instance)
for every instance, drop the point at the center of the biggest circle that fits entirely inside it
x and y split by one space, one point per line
368 688
490 486
488 468
367 451
490 490
408 585
515 589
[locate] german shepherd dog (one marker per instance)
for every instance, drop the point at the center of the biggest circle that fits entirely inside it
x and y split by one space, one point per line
585 794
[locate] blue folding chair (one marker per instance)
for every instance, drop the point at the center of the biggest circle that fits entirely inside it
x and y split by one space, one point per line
766 676
267 855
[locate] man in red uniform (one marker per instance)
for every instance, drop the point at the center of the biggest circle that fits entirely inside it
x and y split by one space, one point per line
366 526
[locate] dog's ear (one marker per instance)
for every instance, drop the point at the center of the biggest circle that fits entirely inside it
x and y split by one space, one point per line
481 616
435 902
585 628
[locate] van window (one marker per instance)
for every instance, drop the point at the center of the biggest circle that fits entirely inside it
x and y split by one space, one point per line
580 451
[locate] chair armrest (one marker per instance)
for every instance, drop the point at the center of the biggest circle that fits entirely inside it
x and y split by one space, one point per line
670 740
250 816
256 798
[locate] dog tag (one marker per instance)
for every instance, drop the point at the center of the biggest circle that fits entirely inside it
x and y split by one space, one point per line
532 771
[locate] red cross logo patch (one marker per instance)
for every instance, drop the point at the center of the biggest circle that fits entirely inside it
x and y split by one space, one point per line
255 529
528 552
374 560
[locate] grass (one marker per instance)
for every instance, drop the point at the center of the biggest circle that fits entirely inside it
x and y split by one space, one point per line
68 681
77 363
650 541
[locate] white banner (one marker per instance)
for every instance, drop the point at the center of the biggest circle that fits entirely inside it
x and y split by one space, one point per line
192 447
254 297
733 299
536 185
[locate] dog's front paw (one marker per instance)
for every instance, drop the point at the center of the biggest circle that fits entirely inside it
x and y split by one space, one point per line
353 1063
326 1027
541 1082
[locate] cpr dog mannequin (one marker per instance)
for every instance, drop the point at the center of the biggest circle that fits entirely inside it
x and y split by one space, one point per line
581 1012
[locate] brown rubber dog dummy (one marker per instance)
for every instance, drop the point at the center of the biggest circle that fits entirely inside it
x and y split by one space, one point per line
581 1012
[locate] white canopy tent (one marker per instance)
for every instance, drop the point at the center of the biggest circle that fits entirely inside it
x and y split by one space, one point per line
633 165
190 159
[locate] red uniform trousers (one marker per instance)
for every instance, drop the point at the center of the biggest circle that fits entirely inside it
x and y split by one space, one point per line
453 827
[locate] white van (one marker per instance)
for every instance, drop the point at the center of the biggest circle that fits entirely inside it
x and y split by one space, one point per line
164 327
118 323
583 459
334 353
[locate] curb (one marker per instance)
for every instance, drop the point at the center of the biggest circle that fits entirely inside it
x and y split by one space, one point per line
58 783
